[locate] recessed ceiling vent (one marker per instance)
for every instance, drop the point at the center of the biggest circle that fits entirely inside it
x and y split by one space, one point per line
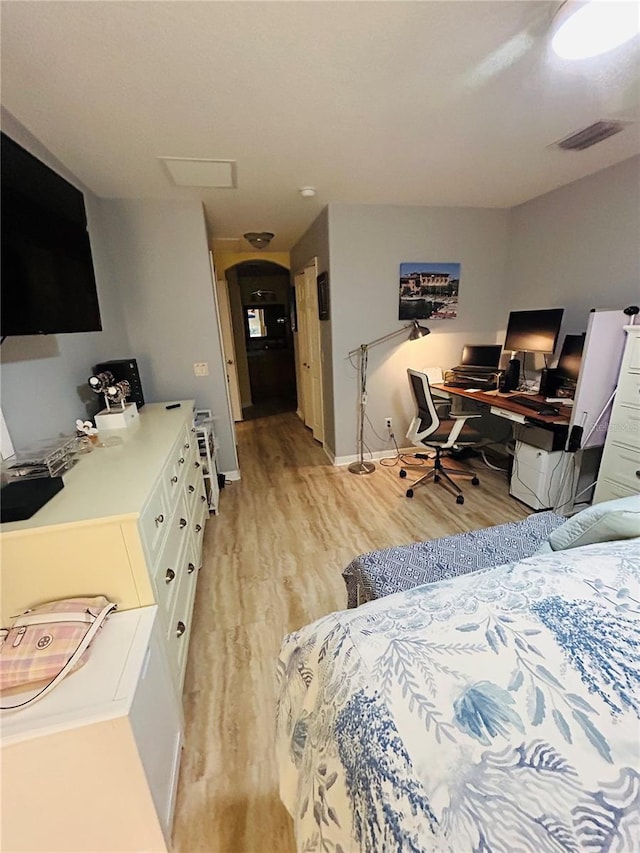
591 135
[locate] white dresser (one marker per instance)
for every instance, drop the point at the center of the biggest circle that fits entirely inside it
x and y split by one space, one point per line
619 474
94 765
128 525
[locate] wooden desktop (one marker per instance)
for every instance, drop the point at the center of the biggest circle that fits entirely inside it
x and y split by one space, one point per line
504 402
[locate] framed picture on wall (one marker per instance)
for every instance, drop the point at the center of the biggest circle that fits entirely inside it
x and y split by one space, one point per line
323 296
428 291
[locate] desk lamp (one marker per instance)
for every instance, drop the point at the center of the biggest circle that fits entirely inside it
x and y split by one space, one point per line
415 331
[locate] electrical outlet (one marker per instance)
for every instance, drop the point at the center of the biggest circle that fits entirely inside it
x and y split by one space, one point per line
388 423
201 368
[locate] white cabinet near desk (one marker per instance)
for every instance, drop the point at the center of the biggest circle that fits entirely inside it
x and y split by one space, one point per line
94 765
537 475
619 474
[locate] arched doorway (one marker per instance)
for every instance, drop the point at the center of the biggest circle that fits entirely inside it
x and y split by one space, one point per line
260 302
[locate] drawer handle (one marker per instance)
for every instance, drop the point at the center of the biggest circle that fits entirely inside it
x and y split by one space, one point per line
638 474
181 460
191 568
169 575
202 499
198 528
183 523
159 519
174 479
193 429
192 489
197 464
180 629
187 446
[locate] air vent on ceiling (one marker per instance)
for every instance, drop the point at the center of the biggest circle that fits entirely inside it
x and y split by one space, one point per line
591 135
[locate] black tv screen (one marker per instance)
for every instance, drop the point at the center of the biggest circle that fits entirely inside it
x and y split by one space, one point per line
533 331
48 281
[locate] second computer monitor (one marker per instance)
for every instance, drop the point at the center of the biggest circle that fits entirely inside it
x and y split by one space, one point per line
568 368
533 331
481 355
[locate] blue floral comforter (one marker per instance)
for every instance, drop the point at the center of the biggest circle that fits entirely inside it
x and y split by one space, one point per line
494 713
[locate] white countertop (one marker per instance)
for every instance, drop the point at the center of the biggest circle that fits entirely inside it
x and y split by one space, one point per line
96 487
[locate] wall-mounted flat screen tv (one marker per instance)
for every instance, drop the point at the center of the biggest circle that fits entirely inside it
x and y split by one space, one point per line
48 281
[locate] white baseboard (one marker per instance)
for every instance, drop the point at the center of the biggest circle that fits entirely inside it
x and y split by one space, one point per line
376 456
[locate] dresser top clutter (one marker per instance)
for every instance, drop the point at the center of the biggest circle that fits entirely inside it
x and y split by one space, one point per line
97 488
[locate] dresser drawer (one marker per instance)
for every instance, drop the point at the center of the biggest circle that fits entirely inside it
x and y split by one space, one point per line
622 465
179 629
606 490
628 392
167 570
624 426
153 521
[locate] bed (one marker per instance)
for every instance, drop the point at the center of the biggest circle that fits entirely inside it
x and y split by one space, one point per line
496 712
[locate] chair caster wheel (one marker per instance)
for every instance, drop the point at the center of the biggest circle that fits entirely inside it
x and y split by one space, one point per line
460 499
436 478
409 493
403 473
475 482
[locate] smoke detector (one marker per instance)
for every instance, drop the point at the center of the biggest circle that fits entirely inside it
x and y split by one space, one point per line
259 239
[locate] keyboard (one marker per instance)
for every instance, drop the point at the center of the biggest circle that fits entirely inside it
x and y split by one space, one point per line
534 405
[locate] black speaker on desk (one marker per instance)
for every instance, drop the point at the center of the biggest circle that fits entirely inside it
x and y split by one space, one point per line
510 379
125 368
548 382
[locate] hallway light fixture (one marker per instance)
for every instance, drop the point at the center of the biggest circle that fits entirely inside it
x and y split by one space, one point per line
586 28
259 239
416 331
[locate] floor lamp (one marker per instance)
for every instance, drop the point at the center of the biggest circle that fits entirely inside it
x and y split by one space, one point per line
415 331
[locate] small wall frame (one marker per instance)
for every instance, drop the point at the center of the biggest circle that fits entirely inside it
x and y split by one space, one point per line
323 296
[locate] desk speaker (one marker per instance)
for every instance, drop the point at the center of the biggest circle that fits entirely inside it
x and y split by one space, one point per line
125 368
548 382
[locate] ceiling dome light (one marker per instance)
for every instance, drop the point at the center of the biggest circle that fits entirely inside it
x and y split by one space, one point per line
307 192
590 28
259 239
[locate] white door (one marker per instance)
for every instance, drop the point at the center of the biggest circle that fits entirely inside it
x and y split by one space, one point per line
224 307
217 309
314 354
304 386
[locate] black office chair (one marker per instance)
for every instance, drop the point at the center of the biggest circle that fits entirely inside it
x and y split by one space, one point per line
440 435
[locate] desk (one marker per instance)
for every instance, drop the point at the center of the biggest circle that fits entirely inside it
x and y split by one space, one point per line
502 406
538 474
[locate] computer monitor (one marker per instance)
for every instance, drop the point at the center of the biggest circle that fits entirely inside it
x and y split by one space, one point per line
568 368
533 331
481 355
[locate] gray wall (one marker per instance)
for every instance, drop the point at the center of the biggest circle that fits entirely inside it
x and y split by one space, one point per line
160 258
44 378
368 244
156 301
578 247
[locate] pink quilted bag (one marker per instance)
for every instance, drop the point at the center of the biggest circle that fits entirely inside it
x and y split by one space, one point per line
48 642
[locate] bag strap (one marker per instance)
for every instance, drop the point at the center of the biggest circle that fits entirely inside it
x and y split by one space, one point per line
67 668
48 618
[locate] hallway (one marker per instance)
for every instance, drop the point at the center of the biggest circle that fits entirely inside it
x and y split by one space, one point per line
272 563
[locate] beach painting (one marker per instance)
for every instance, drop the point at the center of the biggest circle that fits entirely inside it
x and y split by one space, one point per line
429 291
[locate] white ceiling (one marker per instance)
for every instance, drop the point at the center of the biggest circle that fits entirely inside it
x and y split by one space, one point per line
424 103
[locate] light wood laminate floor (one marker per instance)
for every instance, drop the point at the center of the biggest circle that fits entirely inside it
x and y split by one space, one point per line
272 563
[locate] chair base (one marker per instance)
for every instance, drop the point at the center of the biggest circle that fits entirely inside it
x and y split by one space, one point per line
440 474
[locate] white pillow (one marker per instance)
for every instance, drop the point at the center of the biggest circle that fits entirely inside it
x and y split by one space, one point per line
604 522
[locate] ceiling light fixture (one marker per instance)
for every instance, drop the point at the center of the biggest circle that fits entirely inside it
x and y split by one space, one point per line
259 239
586 29
307 192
